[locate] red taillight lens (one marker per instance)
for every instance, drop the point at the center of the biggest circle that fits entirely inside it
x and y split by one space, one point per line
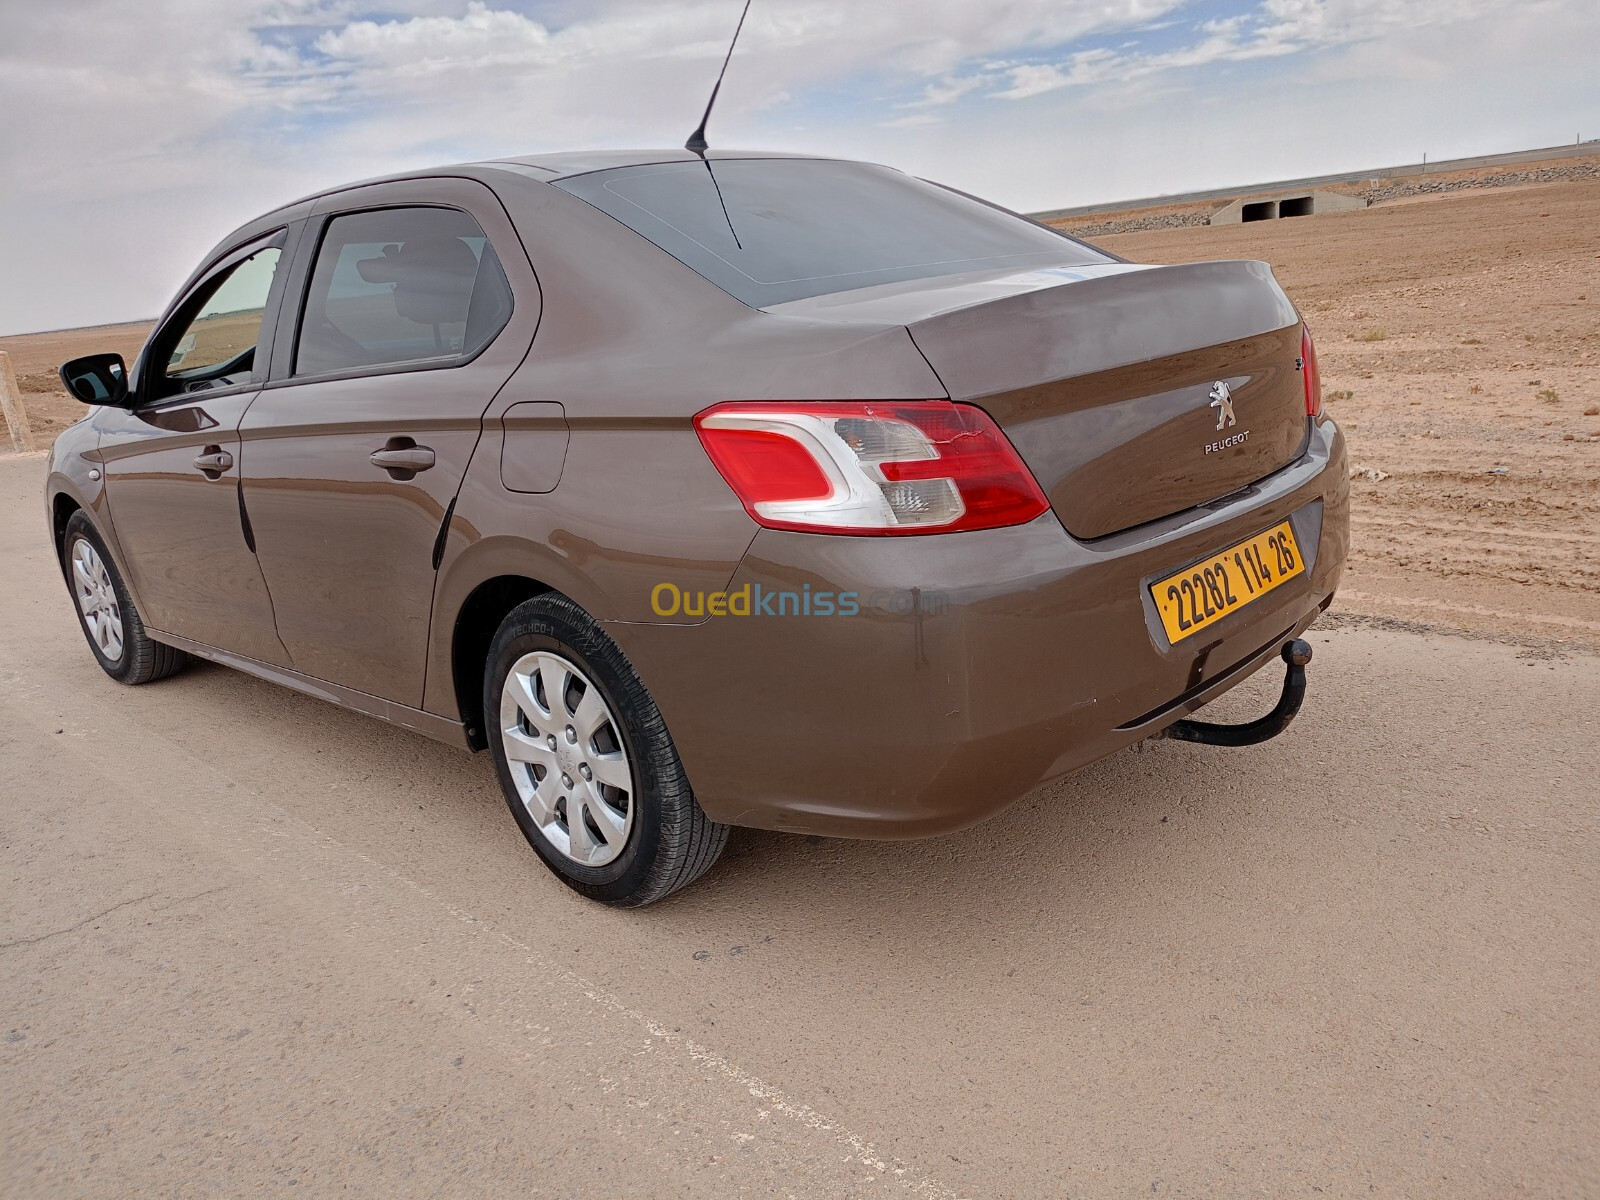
1308 356
898 467
775 467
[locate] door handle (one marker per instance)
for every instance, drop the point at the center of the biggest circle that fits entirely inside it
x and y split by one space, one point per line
403 458
214 462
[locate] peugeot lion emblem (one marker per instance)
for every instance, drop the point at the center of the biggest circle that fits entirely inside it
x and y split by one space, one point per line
1222 401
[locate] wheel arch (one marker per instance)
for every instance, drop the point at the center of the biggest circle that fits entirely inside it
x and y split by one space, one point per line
477 586
62 505
476 622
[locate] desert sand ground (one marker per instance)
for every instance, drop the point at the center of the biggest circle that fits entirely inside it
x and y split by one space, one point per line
1459 338
35 357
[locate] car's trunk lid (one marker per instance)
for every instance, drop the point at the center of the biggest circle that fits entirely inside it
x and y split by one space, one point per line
1115 383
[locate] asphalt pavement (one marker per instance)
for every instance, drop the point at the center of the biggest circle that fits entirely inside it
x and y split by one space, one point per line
252 944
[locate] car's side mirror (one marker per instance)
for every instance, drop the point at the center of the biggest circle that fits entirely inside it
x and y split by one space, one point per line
97 379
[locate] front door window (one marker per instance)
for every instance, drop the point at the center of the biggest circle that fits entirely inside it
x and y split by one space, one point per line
216 346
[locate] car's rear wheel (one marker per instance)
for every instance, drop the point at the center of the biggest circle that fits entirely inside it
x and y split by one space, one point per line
106 612
586 762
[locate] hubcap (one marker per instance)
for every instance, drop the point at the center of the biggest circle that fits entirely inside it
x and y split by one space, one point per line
567 759
97 599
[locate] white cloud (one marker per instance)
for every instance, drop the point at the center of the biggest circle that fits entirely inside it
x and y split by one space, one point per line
1089 66
947 90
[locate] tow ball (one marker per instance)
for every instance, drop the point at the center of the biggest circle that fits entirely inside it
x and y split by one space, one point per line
1296 654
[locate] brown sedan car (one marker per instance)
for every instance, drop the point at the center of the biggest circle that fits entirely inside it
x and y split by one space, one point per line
706 491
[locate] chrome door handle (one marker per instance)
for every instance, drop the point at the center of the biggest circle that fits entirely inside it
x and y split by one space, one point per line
403 458
214 461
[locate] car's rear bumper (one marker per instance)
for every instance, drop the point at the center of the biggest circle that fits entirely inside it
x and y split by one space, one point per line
1027 654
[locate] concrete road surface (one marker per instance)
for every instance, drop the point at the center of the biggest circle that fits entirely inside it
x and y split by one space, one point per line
256 945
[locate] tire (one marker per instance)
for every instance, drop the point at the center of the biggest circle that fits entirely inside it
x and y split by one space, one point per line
106 612
602 798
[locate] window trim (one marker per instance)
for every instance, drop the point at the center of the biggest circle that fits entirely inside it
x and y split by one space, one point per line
281 373
283 239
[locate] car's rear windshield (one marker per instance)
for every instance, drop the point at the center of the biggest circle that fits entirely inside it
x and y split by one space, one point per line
771 230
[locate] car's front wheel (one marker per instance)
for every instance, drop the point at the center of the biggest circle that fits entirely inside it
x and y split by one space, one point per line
586 762
106 613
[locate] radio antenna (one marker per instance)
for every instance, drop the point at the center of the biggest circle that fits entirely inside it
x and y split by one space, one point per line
697 140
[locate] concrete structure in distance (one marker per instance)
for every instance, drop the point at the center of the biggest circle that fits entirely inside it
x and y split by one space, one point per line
1374 175
1287 204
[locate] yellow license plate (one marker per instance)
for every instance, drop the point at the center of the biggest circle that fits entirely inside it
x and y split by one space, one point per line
1199 596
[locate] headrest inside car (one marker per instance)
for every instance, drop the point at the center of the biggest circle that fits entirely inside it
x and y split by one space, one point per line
382 269
432 277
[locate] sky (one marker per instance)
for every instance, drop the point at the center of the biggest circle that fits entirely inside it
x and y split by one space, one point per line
138 134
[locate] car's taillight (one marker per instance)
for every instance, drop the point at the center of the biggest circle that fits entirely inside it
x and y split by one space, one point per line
1308 356
891 467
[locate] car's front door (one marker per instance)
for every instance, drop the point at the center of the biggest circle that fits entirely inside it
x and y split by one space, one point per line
357 447
172 461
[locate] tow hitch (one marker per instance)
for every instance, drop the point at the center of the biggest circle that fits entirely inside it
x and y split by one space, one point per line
1296 654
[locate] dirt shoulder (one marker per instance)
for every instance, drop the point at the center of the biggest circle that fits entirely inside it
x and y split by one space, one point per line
1459 341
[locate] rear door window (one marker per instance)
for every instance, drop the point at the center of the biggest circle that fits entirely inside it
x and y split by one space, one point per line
401 286
770 230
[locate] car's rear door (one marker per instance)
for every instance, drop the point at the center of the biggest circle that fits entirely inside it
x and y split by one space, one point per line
172 462
415 305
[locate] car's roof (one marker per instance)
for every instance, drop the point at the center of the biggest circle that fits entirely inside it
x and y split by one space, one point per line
546 168
550 167
582 162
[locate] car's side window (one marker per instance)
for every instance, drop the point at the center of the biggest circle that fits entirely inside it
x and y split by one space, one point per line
216 346
401 286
